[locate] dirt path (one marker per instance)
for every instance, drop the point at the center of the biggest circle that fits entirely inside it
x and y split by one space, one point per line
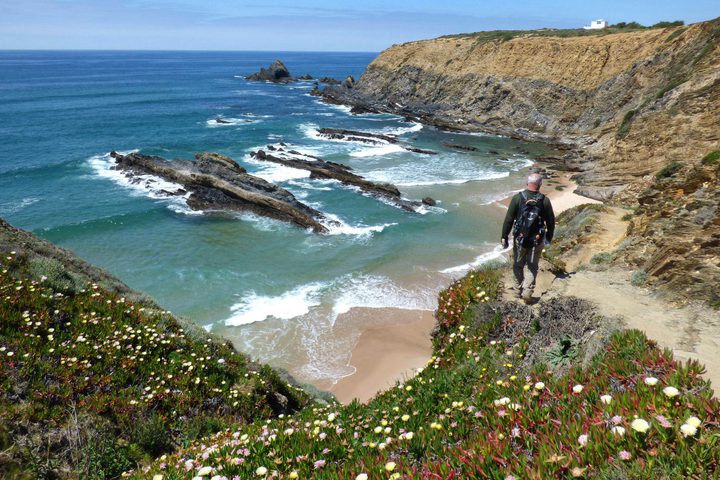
691 332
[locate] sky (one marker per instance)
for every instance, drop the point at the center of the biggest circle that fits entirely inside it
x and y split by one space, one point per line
303 25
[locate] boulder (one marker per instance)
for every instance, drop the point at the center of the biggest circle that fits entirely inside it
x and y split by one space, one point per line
277 73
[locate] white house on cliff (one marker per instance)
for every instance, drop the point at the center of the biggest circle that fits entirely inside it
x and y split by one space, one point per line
596 25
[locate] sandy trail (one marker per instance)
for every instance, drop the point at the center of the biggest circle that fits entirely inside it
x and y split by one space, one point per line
691 332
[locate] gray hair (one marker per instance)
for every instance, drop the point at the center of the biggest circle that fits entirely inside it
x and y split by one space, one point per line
535 178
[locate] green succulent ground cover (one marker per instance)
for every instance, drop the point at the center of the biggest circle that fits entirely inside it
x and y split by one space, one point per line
91 383
493 402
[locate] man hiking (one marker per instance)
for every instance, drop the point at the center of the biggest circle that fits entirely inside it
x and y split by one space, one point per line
532 221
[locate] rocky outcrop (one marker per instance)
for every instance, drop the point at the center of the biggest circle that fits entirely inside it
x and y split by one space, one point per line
217 183
277 73
329 81
369 138
674 236
626 103
323 169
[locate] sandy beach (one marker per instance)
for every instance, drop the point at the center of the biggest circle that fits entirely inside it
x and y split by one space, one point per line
397 342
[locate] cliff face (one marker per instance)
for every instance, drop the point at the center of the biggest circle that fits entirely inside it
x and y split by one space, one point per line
631 102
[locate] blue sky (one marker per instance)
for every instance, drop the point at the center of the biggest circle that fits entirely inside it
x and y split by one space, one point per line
339 25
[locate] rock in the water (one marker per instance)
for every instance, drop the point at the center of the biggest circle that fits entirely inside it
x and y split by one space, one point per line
429 201
307 76
330 81
320 168
277 72
349 82
218 183
221 120
456 146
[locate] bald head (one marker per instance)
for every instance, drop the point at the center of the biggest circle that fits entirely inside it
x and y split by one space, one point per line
534 181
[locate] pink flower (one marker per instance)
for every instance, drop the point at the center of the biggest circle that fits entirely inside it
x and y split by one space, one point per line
617 419
625 455
478 414
515 432
319 464
663 421
583 440
501 413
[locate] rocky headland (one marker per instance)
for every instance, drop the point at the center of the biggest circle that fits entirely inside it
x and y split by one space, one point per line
217 183
633 115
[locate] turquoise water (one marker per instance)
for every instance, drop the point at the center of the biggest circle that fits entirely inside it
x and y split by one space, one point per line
276 290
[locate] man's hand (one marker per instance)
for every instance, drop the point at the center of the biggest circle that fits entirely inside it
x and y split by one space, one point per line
504 243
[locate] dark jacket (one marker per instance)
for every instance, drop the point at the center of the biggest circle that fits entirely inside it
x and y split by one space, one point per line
548 215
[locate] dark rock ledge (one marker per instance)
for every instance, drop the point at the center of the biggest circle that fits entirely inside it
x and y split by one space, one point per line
368 137
216 182
320 168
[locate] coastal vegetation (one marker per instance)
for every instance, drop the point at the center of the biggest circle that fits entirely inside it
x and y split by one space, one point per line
508 393
507 35
93 383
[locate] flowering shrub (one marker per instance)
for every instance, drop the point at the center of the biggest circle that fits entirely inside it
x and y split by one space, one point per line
476 287
93 363
471 412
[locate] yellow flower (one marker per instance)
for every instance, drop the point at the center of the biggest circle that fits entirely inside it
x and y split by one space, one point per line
390 466
688 430
293 474
671 392
405 417
408 388
640 425
539 386
694 421
157 477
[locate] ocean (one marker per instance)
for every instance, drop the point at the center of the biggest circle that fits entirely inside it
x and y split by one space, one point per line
275 290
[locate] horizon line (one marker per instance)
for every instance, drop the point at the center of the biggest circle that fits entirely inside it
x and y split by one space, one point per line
163 50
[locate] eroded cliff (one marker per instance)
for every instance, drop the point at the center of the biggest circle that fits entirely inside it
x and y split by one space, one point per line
630 102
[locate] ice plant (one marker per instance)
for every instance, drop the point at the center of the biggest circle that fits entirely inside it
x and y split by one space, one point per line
652 381
606 399
688 430
640 425
671 392
577 389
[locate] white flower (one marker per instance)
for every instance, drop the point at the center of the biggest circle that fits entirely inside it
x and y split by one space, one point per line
583 440
390 466
606 399
578 388
409 435
694 421
260 471
651 381
405 417
640 425
539 386
671 392
204 471
331 417
362 476
157 477
618 430
688 430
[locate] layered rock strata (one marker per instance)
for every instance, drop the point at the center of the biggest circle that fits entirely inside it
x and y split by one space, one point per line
216 182
323 169
626 103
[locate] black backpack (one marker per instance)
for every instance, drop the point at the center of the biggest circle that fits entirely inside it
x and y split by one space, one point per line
529 223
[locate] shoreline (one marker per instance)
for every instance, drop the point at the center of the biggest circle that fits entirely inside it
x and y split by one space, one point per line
395 348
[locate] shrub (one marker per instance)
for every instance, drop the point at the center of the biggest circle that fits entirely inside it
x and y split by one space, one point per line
600 258
627 217
666 24
624 127
639 278
675 34
669 170
711 158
